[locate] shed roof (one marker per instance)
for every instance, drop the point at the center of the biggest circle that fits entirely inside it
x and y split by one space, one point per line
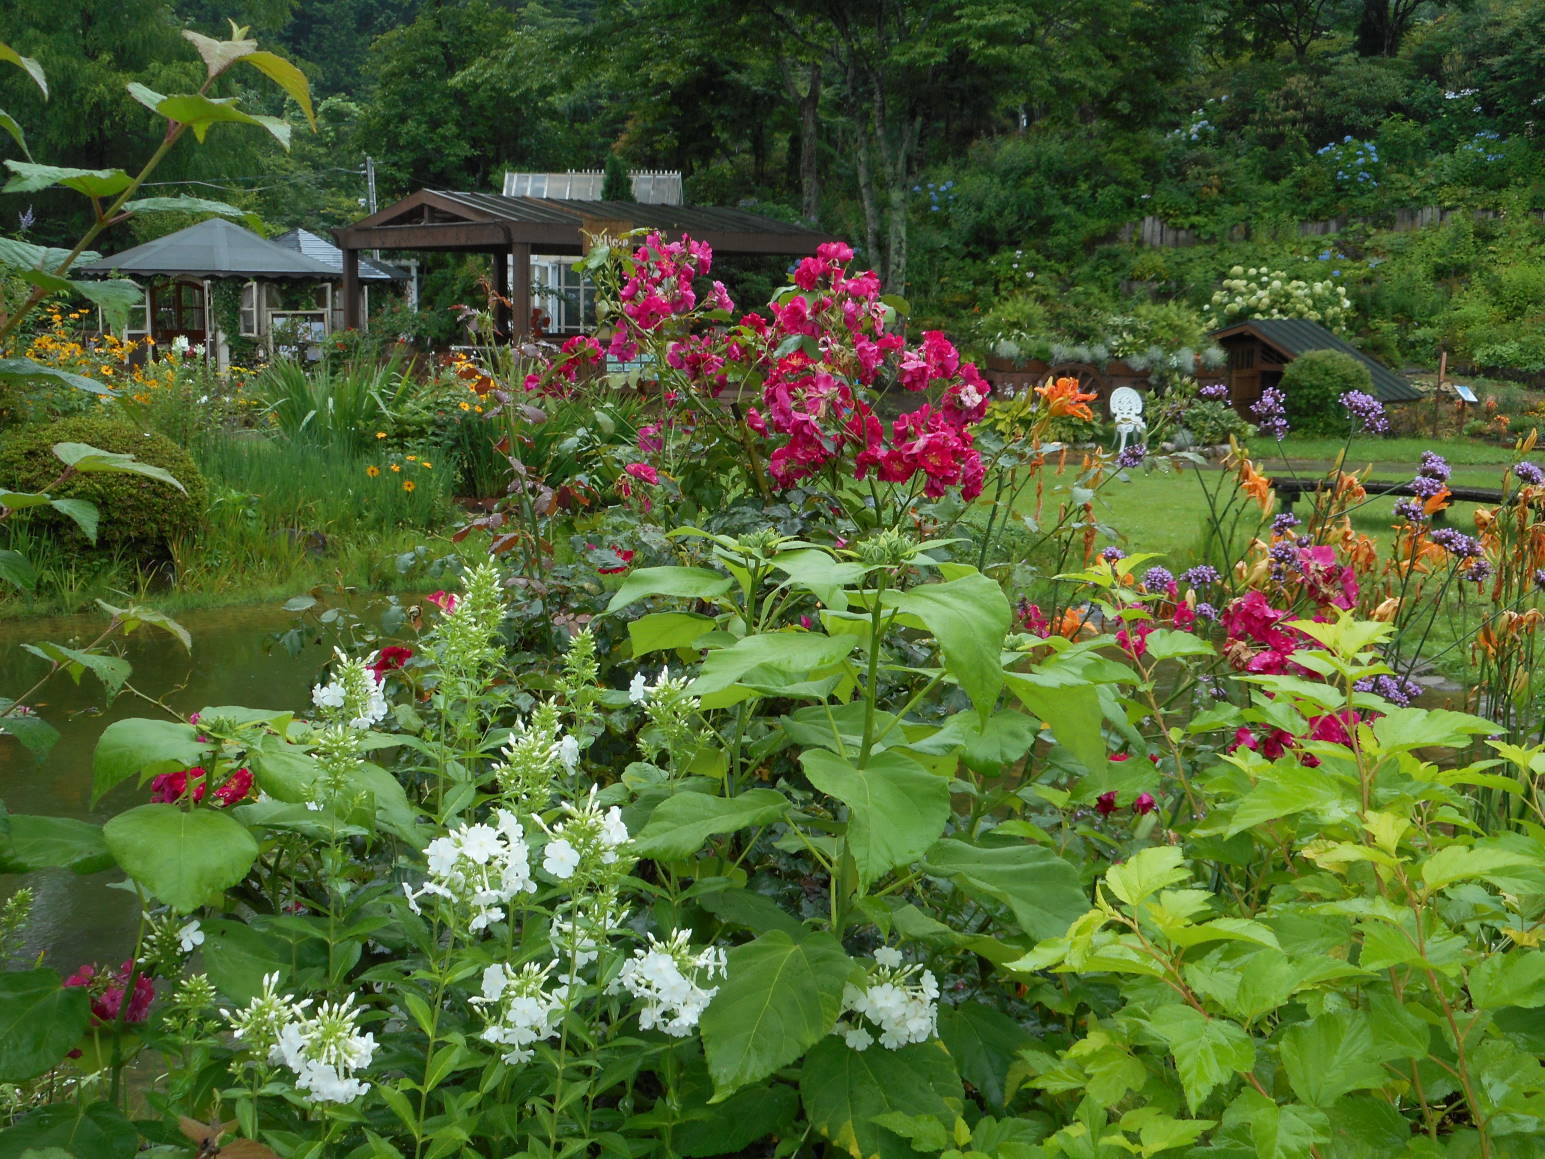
1295 336
443 219
321 249
212 249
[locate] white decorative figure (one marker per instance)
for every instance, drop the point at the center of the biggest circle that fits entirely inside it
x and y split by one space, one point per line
1126 408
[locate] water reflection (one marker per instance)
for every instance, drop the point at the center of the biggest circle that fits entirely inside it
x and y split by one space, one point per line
79 919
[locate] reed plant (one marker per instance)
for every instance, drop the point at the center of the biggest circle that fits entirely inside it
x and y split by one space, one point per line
337 405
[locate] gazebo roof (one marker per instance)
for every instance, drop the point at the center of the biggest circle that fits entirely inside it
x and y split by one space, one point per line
441 219
212 249
321 249
1295 336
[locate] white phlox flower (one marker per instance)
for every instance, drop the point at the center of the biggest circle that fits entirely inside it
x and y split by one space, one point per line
261 1022
521 1011
668 978
479 868
190 937
325 1051
354 697
537 754
898 1001
585 842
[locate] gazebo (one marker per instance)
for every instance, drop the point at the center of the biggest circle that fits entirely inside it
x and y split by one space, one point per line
285 289
510 229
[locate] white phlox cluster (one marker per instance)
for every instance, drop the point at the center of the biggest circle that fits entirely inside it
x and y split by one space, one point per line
537 751
479 868
902 1010
668 978
520 1009
323 1051
640 691
354 697
585 841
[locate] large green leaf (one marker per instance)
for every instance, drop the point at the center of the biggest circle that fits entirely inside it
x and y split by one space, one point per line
1075 718
781 996
26 370
969 616
83 512
183 204
775 659
12 126
93 460
1337 1052
186 858
680 824
112 671
16 569
40 1021
35 733
844 1090
896 807
730 1127
199 112
286 76
97 1131
684 582
1515 978
29 66
142 747
236 958
984 1042
49 842
1208 1051
92 182
1040 888
1277 1131
666 631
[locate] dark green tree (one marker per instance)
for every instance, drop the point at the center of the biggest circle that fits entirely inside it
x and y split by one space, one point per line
616 185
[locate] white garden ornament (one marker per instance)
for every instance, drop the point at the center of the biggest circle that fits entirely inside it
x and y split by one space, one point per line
1126 408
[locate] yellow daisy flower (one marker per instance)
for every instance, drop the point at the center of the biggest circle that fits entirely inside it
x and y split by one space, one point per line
408 485
372 470
396 466
380 434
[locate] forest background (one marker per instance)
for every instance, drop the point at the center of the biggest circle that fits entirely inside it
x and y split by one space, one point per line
983 155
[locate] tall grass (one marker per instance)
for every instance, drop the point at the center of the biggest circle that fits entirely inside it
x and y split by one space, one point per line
335 405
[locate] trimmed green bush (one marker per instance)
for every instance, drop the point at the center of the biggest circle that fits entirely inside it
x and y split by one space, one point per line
1314 383
139 515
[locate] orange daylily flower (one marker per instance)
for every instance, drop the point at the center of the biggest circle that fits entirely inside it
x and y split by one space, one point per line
1255 484
1063 397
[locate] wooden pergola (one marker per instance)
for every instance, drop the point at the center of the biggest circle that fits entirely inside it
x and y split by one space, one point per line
514 228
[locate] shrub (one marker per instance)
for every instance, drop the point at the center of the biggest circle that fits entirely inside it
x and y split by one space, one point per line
1314 383
139 514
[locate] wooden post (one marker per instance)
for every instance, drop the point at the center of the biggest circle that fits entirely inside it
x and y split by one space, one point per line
351 312
520 290
502 327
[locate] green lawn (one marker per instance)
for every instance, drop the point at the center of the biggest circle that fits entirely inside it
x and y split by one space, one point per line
1394 454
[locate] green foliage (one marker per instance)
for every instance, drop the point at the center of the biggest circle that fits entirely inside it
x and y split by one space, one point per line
1314 383
148 515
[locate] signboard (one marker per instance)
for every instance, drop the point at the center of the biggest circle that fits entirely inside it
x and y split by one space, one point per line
1464 392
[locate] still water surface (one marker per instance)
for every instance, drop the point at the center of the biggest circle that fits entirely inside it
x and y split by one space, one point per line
80 919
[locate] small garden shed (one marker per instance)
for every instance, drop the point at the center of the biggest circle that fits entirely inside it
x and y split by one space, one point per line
1259 350
220 286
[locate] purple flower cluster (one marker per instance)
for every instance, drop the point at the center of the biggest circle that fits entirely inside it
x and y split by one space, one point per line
1132 456
1456 543
1200 576
1529 473
1539 579
1270 413
1284 523
1367 410
1478 571
1425 486
1205 611
1214 391
1411 511
1397 690
1434 466
1158 579
1112 554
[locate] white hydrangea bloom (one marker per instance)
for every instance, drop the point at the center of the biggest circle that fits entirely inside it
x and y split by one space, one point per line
898 1001
668 977
479 868
520 1010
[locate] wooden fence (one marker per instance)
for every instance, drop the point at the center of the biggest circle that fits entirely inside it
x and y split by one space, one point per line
1151 231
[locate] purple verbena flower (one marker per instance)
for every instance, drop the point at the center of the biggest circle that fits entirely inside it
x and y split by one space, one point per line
1456 543
1205 611
1200 576
1270 412
1434 466
1215 391
1411 511
1426 486
1539 579
1282 524
1366 409
1132 456
1478 571
1398 691
1112 554
1529 473
1158 579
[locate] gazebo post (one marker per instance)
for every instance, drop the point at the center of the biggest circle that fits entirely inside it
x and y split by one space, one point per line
501 287
520 290
351 312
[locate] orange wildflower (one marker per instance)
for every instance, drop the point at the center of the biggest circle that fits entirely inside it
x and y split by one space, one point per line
1255 484
1064 398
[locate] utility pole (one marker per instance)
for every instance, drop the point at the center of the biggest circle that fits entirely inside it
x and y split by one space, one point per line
370 198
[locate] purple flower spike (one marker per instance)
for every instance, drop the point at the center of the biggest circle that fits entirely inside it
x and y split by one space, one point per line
1366 409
